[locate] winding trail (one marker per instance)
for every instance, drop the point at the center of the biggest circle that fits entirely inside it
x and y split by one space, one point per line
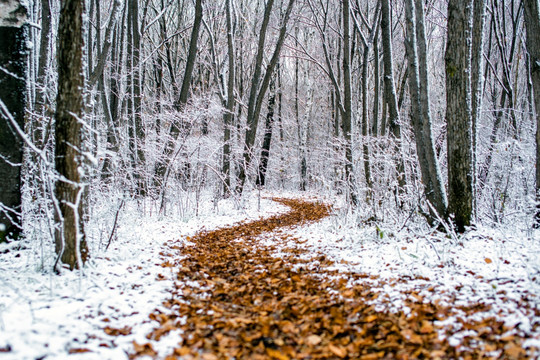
235 299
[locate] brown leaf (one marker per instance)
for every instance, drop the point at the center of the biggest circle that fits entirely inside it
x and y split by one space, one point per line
126 330
371 318
209 356
276 354
78 351
337 350
144 349
427 327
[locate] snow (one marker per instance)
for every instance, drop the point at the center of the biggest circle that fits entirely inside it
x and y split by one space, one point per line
496 267
47 315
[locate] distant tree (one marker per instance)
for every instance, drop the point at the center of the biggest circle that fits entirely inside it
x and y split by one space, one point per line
181 101
13 69
70 238
459 112
532 22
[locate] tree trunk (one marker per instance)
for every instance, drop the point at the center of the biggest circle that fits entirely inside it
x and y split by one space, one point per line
420 113
69 237
477 83
137 135
532 22
13 58
257 92
365 123
390 92
182 100
459 112
347 99
265 151
228 116
44 55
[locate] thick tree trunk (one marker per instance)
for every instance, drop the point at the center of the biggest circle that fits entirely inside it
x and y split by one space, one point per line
69 237
420 113
532 22
459 112
13 78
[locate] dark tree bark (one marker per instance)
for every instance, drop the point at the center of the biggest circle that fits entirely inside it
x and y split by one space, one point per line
459 112
228 117
420 113
137 133
265 151
532 22
69 237
347 106
13 69
390 97
44 55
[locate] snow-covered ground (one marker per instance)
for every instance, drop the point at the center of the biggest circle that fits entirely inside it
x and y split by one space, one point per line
46 316
497 268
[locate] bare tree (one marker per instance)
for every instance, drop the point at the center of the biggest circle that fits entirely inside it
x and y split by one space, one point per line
13 78
420 107
228 116
181 101
532 22
459 112
267 140
258 89
70 238
390 97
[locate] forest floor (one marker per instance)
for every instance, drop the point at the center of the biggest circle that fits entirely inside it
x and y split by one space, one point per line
289 285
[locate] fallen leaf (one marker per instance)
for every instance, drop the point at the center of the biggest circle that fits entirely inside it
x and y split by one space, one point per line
78 351
276 354
337 350
313 340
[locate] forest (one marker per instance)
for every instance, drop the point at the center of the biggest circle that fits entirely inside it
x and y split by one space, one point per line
269 179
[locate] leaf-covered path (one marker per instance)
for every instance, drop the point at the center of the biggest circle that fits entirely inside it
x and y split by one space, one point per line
235 299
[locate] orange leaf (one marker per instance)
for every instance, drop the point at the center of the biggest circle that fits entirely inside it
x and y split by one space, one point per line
371 318
276 354
338 351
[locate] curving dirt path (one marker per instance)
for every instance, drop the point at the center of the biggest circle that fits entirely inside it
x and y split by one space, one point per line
236 300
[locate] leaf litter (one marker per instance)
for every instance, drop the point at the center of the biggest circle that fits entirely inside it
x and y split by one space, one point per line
234 298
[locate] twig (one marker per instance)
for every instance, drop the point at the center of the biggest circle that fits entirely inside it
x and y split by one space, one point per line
114 225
